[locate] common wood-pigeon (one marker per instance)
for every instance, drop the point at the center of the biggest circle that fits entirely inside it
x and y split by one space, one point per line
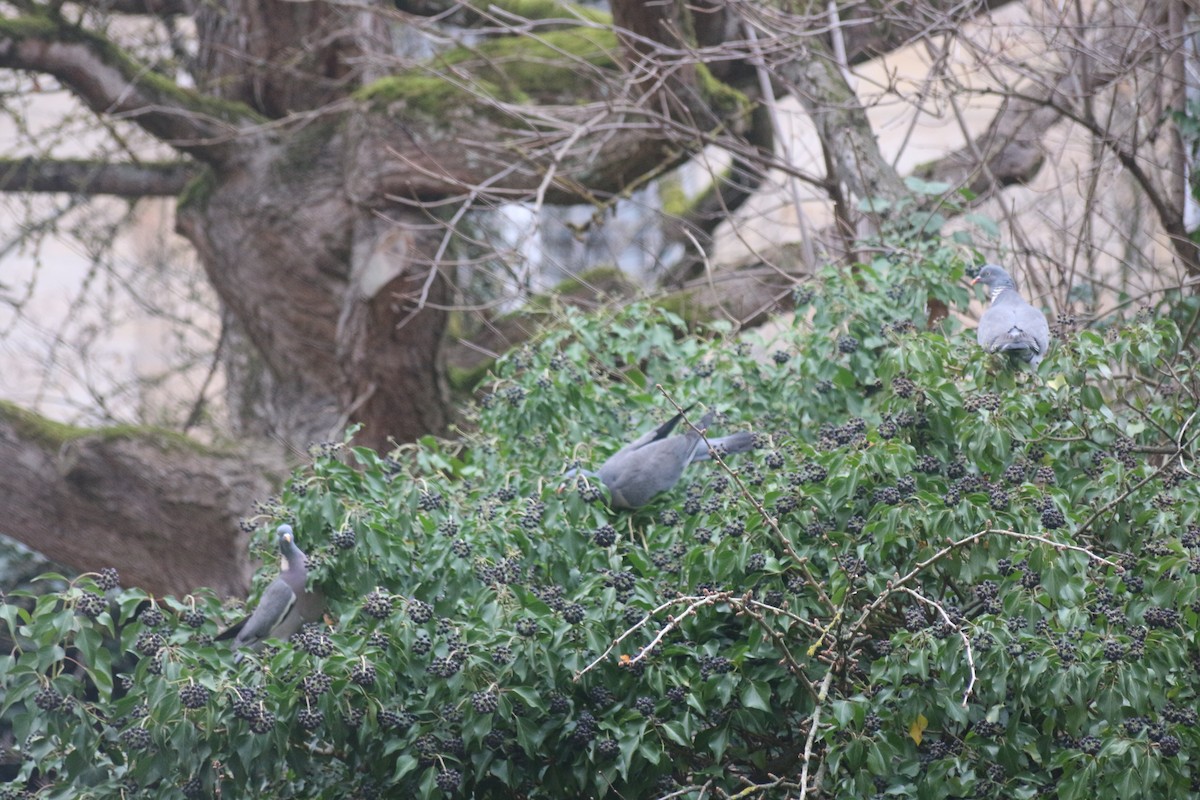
284 603
1010 325
654 461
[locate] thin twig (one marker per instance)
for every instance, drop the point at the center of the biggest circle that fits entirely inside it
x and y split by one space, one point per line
800 561
961 634
812 732
695 602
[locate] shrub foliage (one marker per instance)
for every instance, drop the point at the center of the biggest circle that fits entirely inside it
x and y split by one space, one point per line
934 577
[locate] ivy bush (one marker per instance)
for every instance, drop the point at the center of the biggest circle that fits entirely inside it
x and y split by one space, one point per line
934 577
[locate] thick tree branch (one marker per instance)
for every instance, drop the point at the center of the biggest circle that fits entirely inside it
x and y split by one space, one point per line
846 134
112 83
160 509
156 179
157 8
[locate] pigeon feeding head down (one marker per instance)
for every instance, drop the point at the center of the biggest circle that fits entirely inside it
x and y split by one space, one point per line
1010 325
655 461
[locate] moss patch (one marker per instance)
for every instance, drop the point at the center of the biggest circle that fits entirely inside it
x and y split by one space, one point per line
725 100
38 428
546 9
197 191
556 64
53 434
463 380
427 95
46 26
553 64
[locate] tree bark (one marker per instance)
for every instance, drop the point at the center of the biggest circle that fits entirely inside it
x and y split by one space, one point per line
146 179
162 510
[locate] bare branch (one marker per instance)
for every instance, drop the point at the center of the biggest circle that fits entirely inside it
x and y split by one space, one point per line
156 179
112 83
961 634
157 8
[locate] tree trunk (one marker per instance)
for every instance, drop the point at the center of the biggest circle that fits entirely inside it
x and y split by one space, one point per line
163 510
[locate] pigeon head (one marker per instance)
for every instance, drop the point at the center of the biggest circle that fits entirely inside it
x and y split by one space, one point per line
287 544
994 278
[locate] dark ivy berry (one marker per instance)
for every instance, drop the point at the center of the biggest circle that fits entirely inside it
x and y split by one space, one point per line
135 738
448 780
485 702
430 501
316 684
903 386
378 604
396 720
715 665
90 604
108 579
812 473
888 495
363 674
149 643
48 699
193 618
315 643
345 539
312 718
1133 583
605 535
998 498
527 627
1169 746
501 654
608 749
193 696
532 515
1089 744
151 617
419 611
1052 518
1157 617
263 721
585 728
847 344
573 613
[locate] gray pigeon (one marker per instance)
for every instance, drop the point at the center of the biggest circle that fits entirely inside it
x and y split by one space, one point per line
281 608
653 462
1010 325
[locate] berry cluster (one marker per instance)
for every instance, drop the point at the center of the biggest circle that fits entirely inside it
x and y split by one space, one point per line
987 401
108 579
316 684
194 696
396 720
345 538
378 604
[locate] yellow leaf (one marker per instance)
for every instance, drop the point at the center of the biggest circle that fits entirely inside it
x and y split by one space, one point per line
918 728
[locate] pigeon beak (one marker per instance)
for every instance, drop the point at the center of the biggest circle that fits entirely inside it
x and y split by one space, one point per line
975 281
